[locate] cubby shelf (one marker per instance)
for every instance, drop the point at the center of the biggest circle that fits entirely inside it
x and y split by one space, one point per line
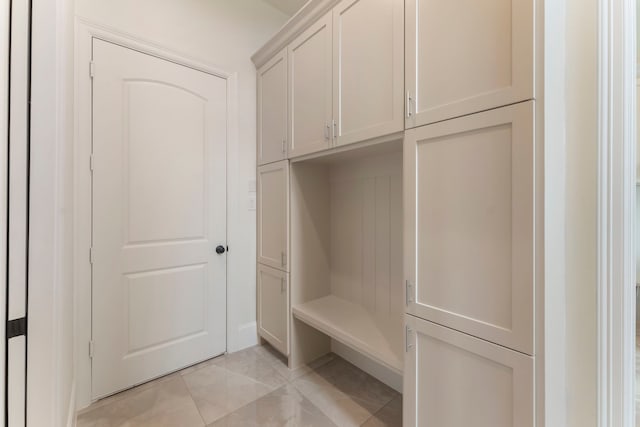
353 326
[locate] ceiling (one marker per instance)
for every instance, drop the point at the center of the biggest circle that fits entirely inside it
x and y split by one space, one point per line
288 7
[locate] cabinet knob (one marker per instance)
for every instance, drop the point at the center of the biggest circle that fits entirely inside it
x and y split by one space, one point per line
220 249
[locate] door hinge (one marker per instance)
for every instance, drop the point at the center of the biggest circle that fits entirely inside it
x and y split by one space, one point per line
90 255
91 349
408 292
92 69
409 111
407 338
334 127
16 328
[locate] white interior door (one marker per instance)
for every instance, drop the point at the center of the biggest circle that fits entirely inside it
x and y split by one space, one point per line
17 21
159 212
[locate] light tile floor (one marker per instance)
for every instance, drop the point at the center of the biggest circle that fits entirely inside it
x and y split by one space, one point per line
253 388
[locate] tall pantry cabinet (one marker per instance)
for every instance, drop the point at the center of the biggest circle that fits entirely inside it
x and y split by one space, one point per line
401 219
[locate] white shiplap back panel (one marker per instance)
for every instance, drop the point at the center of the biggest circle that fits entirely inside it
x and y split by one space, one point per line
366 235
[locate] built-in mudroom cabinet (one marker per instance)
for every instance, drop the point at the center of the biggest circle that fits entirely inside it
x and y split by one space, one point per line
399 201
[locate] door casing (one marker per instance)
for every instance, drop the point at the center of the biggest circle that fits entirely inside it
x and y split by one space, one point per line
85 33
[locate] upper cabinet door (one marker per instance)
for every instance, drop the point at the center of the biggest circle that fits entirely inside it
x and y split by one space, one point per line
310 89
273 215
272 110
467 56
368 55
469 224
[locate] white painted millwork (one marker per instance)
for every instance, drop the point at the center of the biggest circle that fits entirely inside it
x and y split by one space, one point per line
466 56
453 380
4 127
469 223
159 211
18 159
18 194
368 80
352 325
273 215
346 256
16 385
273 307
310 89
272 110
443 225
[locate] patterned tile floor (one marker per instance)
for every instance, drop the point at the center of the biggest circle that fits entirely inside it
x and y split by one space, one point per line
253 388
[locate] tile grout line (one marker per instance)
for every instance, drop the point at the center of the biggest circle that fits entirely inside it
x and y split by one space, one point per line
193 399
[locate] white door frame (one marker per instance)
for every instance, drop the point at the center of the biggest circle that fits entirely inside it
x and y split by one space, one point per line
85 33
616 212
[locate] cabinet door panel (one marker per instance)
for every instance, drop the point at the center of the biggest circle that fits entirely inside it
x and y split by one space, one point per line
273 215
465 56
452 380
368 55
310 89
273 307
469 223
272 110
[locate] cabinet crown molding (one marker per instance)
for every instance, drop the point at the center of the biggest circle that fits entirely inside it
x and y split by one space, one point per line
308 14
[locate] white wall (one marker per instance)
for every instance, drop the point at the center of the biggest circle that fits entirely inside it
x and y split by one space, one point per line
581 210
51 352
224 34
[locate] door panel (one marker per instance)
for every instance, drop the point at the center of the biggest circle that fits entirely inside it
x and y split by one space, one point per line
273 307
465 56
273 215
469 224
272 110
453 380
368 55
310 89
159 210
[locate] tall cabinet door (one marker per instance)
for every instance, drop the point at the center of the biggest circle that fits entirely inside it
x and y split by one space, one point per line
467 56
310 87
273 215
272 110
469 224
368 55
453 380
273 307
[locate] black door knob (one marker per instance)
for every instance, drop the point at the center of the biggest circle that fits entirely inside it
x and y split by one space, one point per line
220 250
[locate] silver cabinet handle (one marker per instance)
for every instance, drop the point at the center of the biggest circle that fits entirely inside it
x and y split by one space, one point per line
409 103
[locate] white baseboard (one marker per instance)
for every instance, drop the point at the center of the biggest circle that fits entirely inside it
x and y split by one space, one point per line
372 368
71 412
246 336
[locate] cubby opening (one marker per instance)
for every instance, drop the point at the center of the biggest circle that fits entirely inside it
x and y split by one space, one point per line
346 255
